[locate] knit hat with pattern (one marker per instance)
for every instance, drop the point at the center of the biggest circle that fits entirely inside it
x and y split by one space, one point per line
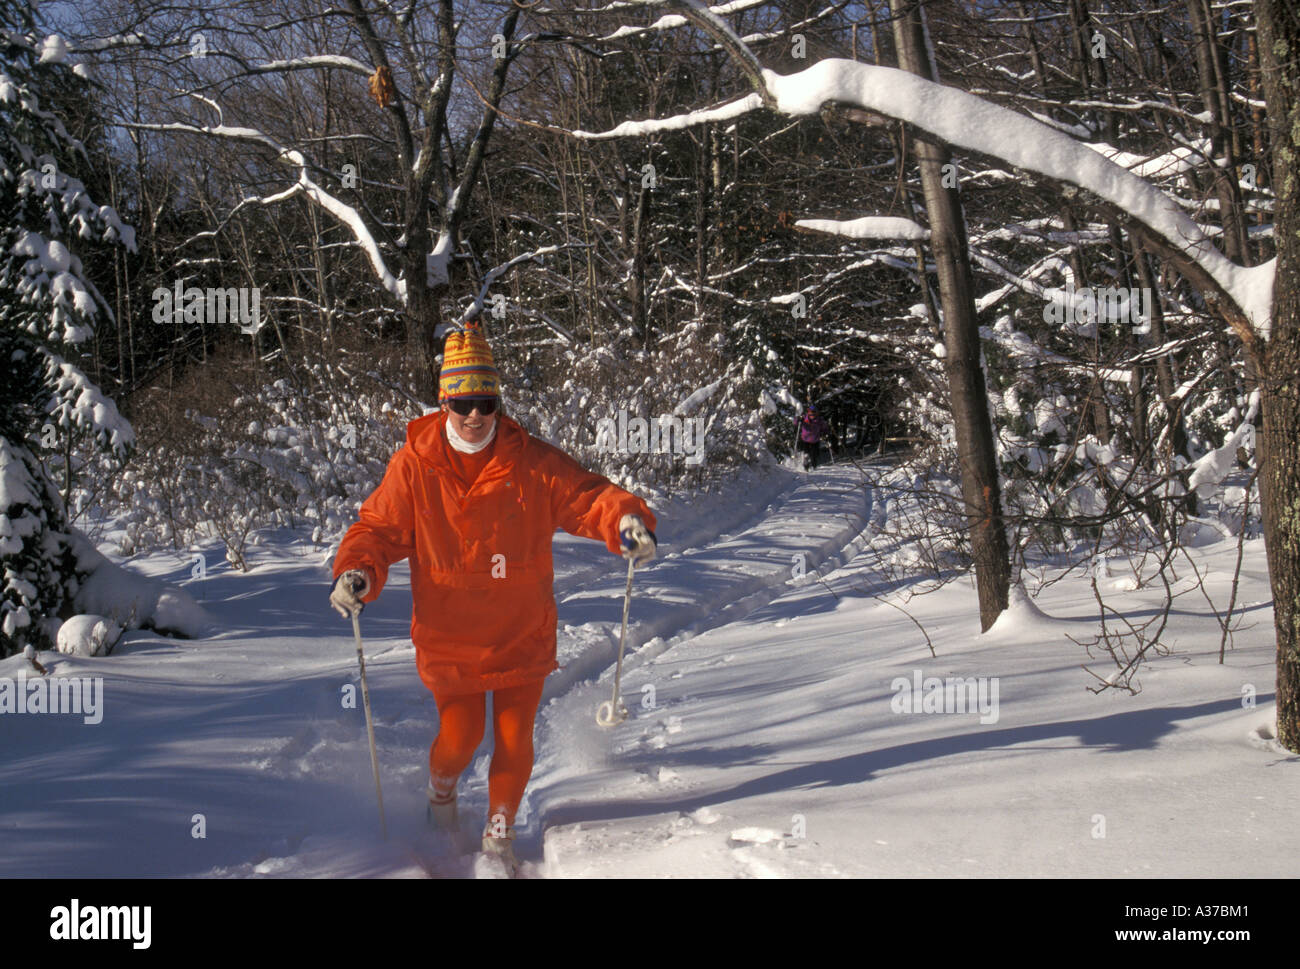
467 366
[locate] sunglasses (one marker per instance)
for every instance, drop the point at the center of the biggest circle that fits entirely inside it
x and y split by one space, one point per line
463 405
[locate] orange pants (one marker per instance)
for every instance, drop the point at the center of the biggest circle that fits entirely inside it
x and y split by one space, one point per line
461 722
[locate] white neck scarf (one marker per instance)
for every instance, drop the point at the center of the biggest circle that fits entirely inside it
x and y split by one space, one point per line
462 445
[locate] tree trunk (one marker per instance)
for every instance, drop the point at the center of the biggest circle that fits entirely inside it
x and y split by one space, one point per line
972 426
1279 370
1256 118
636 278
1214 100
421 320
702 204
1175 433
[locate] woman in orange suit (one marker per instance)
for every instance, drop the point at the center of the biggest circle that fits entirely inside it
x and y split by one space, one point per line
473 501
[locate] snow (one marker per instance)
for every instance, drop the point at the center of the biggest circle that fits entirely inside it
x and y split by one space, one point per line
970 122
763 740
15 483
438 262
673 20
691 402
1021 619
305 185
871 227
724 112
317 60
1175 162
54 50
1208 471
136 601
437 267
79 403
352 219
56 257
117 40
785 299
87 635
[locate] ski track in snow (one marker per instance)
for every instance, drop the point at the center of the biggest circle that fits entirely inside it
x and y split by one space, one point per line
745 563
735 575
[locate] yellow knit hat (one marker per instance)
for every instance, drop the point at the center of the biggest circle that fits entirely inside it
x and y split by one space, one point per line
467 366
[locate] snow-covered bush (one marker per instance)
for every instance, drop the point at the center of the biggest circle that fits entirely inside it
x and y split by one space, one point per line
1088 468
88 635
235 447
584 401
223 457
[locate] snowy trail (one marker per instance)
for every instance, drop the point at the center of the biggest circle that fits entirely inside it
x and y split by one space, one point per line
574 567
762 740
821 517
821 520
243 737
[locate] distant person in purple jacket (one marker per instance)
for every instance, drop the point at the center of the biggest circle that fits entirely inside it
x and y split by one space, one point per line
811 429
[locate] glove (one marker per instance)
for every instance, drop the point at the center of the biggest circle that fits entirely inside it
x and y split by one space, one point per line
347 592
639 542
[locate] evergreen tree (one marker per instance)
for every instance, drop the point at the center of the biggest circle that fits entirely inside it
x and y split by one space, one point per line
48 406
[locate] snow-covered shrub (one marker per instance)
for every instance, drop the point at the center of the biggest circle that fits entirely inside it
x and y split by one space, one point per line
235 446
232 449
1082 473
88 635
585 401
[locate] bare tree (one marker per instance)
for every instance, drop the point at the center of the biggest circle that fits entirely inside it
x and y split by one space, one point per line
1279 358
408 219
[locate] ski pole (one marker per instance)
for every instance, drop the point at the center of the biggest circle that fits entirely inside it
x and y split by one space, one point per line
612 711
370 726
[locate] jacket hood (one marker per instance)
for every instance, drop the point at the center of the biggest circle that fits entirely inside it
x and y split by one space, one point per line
427 439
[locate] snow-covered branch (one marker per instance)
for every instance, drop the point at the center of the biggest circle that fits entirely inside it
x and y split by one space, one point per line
969 122
631 129
313 61
673 20
966 121
475 308
305 185
871 227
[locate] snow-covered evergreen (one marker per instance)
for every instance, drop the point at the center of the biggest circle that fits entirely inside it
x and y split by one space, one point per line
47 309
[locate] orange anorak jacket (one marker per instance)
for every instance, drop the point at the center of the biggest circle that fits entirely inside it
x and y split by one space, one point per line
481 571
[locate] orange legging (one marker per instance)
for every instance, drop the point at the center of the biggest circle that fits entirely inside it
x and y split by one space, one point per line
461 721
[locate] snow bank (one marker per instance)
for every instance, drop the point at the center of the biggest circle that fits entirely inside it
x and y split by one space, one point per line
1022 619
134 601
